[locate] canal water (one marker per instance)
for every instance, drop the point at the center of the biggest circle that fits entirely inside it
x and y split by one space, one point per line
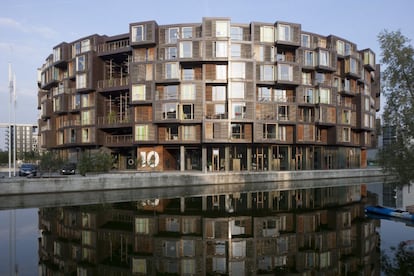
220 231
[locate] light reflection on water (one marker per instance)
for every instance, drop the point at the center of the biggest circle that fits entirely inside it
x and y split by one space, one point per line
74 238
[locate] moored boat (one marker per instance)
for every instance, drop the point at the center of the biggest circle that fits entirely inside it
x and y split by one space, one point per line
392 212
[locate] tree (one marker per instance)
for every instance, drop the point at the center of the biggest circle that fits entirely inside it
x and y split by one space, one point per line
95 162
398 88
50 161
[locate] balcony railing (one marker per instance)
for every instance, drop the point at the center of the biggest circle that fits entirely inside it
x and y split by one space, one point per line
113 120
113 46
118 139
105 84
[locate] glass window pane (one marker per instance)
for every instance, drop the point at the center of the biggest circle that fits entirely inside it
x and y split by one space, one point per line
222 28
221 49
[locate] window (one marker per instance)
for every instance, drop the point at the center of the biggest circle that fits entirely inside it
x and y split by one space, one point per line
285 72
138 92
80 63
142 225
188 92
284 32
187 74
238 110
219 93
76 101
367 104
171 71
236 33
324 259
239 248
187 32
138 33
86 100
81 81
219 265
220 48
188 111
280 95
269 131
324 96
86 237
171 92
141 133
346 116
220 111
309 58
186 49
319 77
172 35
172 224
235 50
308 96
189 133
353 66
86 117
323 58
348 49
85 135
346 134
56 54
306 78
139 266
222 28
170 249
171 53
238 70
236 90
283 113
266 73
72 135
188 266
221 72
281 133
170 111
81 47
340 47
237 131
172 133
264 94
267 34
305 40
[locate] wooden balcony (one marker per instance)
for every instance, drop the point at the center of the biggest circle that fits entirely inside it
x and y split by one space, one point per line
118 140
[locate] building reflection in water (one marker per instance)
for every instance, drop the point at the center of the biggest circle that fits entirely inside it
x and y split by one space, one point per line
297 232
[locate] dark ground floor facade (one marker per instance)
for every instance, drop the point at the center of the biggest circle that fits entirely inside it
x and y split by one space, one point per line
229 157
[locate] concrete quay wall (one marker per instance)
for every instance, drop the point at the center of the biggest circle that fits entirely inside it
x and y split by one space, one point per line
122 181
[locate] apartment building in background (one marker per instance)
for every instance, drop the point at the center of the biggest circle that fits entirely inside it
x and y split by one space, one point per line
26 139
211 96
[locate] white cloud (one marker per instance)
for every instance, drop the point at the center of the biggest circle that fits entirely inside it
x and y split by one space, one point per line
44 31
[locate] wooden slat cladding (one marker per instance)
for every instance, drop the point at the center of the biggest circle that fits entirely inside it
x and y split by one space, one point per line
143 113
305 133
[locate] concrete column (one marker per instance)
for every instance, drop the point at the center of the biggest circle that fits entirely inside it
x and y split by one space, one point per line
182 158
269 158
226 158
249 158
182 204
204 159
204 203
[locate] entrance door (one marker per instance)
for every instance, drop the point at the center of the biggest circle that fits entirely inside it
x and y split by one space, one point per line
259 159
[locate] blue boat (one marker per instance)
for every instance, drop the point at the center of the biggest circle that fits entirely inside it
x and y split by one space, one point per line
391 212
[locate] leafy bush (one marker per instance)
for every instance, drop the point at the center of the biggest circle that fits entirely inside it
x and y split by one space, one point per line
94 162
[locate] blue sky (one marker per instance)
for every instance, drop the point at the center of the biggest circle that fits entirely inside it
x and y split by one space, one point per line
30 29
